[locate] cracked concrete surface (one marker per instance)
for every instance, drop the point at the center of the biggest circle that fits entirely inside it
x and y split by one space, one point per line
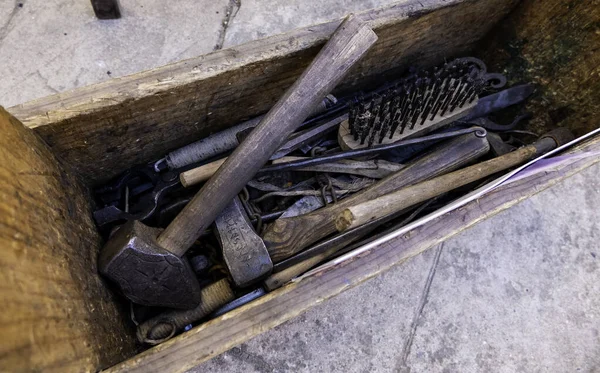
516 293
230 12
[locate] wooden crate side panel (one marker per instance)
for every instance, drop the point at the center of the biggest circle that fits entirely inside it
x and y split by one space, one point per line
105 128
56 315
555 44
221 334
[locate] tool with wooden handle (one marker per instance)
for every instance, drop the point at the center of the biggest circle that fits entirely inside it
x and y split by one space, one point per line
164 326
359 214
288 236
300 263
205 172
150 270
420 103
220 142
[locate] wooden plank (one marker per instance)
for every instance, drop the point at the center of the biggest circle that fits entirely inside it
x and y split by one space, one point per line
232 329
57 315
556 46
103 129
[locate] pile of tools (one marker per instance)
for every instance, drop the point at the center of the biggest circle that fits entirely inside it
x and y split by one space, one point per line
216 224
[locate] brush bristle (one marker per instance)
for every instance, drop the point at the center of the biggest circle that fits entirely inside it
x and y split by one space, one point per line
414 101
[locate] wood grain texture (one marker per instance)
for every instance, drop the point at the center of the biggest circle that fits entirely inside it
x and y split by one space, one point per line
200 174
56 314
556 45
106 128
235 327
348 44
288 236
388 204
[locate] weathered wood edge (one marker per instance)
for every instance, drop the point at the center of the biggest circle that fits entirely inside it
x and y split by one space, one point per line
55 108
219 335
103 129
56 314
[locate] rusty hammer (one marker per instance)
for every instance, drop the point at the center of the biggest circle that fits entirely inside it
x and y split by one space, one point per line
149 267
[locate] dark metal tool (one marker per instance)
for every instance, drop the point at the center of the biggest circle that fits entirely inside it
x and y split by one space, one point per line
375 168
161 184
244 252
146 272
488 124
498 101
205 172
286 237
148 266
238 302
367 151
223 141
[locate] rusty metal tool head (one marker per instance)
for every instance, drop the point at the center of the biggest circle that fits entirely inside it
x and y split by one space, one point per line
147 273
244 252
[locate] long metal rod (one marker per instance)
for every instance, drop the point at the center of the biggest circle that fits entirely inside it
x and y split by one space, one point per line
480 132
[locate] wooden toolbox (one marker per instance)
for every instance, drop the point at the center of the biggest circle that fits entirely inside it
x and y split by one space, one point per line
58 315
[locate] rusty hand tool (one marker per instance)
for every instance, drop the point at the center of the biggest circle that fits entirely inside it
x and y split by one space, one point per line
238 302
364 212
220 142
376 149
149 267
160 185
375 169
244 252
497 101
205 172
286 237
164 326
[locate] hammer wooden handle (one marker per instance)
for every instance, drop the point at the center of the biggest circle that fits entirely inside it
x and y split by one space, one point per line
348 44
288 236
355 216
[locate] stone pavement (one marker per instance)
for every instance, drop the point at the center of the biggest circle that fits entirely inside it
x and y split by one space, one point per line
516 293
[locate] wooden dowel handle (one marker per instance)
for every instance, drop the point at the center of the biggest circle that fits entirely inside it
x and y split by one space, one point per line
288 236
355 216
200 174
352 39
277 280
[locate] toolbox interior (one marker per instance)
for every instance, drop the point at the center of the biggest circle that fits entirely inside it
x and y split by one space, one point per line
554 45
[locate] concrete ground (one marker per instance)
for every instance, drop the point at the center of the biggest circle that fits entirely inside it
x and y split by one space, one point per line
516 293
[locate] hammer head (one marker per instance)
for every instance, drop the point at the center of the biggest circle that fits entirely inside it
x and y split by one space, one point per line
146 273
